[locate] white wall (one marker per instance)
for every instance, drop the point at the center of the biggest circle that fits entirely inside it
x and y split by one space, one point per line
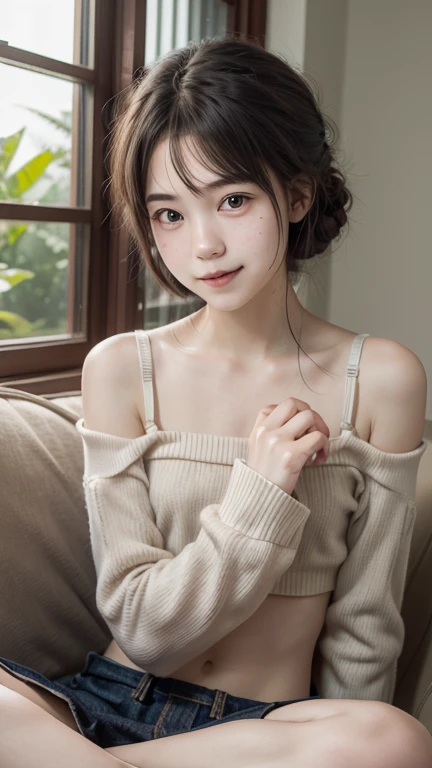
286 29
373 63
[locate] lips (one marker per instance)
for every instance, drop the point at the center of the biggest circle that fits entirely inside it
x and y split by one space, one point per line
218 274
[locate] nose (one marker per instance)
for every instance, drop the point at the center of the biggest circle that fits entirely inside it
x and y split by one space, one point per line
206 240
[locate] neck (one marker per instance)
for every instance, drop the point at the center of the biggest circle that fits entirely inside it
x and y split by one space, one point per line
257 331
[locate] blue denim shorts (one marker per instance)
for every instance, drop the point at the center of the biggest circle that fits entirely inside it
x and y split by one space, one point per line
113 704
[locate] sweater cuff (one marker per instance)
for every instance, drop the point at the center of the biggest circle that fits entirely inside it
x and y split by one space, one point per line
260 509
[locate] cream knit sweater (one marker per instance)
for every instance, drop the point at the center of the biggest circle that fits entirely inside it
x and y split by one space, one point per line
188 541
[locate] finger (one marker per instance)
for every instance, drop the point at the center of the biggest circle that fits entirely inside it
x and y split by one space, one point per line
320 425
318 447
324 426
311 459
264 413
285 411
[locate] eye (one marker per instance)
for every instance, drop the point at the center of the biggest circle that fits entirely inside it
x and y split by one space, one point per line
171 217
235 202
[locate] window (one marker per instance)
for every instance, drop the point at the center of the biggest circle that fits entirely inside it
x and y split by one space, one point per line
68 277
55 77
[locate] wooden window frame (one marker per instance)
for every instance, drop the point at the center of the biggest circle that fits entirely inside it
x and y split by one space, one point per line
248 18
49 364
114 294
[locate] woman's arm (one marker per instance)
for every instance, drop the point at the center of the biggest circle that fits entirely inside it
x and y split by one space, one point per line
163 610
362 639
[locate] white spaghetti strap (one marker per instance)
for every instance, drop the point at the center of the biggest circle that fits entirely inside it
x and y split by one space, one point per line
350 382
144 353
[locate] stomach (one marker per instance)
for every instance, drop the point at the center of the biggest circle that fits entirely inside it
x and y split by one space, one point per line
267 658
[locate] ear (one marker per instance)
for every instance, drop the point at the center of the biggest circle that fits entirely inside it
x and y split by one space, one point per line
301 195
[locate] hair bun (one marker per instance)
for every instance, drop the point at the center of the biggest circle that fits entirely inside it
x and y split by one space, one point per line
325 219
327 229
333 216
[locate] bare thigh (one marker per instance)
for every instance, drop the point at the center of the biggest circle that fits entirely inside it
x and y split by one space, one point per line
51 703
318 714
366 713
330 733
336 730
304 711
380 724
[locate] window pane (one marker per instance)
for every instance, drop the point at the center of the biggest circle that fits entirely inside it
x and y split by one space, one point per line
171 24
161 307
43 269
45 139
48 27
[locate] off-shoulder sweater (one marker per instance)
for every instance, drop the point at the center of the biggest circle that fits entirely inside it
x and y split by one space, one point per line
188 541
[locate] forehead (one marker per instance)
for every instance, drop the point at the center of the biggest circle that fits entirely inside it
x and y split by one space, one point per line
162 174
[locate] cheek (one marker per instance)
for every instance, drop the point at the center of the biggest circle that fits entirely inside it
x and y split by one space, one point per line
263 236
169 249
164 243
248 232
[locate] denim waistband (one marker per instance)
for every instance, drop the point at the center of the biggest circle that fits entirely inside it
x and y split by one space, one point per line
144 682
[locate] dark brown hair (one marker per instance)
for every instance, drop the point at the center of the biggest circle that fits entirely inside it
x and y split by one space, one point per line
245 110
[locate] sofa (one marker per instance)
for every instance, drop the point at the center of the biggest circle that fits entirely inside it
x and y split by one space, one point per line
49 619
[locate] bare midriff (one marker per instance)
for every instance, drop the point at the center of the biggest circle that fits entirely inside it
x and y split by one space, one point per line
267 658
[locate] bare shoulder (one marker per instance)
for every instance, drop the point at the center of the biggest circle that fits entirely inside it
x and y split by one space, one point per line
396 386
110 382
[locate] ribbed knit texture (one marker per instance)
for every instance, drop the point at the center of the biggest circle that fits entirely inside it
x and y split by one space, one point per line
188 541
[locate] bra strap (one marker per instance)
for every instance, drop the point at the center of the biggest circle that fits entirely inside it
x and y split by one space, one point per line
350 381
144 353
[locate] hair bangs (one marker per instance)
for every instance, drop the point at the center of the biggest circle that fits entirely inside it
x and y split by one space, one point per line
223 147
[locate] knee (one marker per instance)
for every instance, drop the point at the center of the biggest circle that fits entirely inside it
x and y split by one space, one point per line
407 740
384 736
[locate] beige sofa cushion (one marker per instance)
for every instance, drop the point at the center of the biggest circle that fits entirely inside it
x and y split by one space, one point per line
49 620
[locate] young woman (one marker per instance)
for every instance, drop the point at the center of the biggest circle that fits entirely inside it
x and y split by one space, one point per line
250 515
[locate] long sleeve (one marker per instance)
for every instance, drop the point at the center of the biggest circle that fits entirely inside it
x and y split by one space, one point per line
362 638
165 609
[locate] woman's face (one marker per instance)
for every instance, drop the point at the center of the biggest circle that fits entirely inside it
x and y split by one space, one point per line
229 226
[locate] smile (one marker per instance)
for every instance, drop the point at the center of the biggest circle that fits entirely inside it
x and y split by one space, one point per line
217 282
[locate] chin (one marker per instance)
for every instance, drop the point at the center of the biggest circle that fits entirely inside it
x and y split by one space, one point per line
230 304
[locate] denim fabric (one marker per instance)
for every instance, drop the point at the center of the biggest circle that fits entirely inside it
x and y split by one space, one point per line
113 704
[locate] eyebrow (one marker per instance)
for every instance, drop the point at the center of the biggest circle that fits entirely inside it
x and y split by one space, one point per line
163 196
